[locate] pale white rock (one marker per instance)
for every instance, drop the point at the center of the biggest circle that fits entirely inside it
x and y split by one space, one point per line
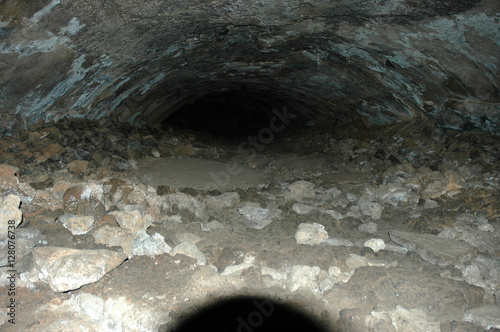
77 225
258 217
190 250
375 244
303 276
155 153
334 271
334 214
66 269
325 282
401 319
300 208
146 245
472 275
345 276
311 234
10 214
275 274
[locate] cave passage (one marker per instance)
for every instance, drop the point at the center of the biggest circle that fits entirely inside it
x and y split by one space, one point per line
232 115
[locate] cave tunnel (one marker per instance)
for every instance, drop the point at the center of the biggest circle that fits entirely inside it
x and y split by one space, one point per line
235 114
341 158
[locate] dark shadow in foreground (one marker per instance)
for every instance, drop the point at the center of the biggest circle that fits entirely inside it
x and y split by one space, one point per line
248 314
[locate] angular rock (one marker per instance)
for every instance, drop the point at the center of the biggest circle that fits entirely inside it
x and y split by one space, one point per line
91 305
401 319
334 214
300 208
300 190
372 209
114 237
229 256
396 249
437 250
10 215
410 288
9 180
78 166
430 204
187 202
190 250
77 199
77 225
275 274
303 276
146 245
66 269
375 244
311 234
258 217
486 316
214 224
187 237
370 228
9 184
224 200
132 221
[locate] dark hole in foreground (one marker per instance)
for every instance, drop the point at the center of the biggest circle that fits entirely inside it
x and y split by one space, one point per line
248 314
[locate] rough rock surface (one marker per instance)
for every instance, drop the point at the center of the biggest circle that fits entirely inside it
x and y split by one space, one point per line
420 266
66 269
436 250
402 58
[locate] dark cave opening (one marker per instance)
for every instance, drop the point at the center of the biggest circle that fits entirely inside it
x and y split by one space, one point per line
236 115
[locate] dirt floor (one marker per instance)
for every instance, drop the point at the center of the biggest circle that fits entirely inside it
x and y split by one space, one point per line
392 228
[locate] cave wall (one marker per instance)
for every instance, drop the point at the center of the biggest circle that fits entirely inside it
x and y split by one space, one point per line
376 61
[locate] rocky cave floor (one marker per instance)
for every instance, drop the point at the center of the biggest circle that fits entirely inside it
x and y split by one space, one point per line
394 228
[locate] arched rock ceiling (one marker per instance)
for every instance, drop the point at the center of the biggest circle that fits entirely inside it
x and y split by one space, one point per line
376 61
